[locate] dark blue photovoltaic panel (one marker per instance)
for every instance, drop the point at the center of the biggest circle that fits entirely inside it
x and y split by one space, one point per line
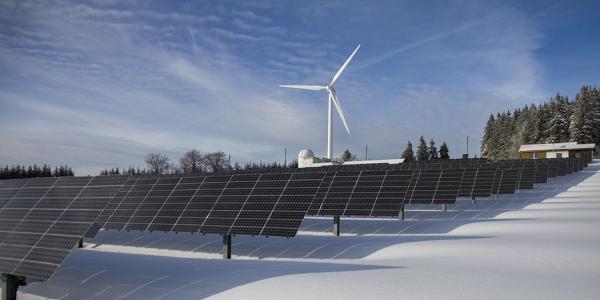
362 193
526 177
541 173
391 197
508 181
468 182
253 204
43 220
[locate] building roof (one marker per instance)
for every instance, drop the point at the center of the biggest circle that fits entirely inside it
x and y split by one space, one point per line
555 147
375 161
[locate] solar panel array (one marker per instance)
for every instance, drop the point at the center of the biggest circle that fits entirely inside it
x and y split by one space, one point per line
42 219
356 190
252 204
383 193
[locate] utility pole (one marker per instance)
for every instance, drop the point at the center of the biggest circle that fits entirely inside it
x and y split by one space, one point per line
285 157
467 146
366 152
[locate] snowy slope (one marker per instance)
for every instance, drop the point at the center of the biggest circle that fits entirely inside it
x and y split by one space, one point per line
540 244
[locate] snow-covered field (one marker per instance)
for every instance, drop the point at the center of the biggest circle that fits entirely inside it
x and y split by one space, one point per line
540 244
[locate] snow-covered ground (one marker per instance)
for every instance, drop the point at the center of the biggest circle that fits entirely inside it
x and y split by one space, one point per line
539 244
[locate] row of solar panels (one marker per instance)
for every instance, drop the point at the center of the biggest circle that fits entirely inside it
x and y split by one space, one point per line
41 219
383 192
460 163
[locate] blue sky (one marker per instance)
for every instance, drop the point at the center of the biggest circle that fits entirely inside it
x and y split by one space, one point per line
101 83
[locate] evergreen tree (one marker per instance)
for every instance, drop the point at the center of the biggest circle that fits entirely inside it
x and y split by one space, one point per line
46 171
488 141
557 124
408 153
501 135
595 100
534 125
544 117
522 133
432 151
422 150
582 121
444 152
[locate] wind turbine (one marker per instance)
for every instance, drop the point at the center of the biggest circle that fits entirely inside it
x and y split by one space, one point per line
332 100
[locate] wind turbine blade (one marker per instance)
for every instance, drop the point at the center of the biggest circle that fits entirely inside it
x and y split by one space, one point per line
304 87
338 107
343 67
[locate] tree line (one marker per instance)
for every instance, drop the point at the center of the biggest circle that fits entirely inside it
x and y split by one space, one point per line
194 162
425 152
21 171
558 120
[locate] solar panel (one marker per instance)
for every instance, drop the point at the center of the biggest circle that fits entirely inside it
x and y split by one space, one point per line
526 177
571 166
338 193
552 168
391 197
448 186
253 204
541 172
497 180
508 181
423 186
366 193
468 182
562 167
269 204
43 220
484 181
320 195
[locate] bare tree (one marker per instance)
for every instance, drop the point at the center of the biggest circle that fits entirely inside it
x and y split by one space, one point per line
347 155
157 163
191 162
216 161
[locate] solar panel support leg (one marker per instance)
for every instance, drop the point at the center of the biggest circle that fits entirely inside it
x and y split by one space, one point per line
10 284
227 246
401 216
80 243
443 207
336 225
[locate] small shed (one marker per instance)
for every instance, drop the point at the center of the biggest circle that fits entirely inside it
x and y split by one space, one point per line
557 150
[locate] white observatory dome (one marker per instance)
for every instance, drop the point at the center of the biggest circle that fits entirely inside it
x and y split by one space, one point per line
306 153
